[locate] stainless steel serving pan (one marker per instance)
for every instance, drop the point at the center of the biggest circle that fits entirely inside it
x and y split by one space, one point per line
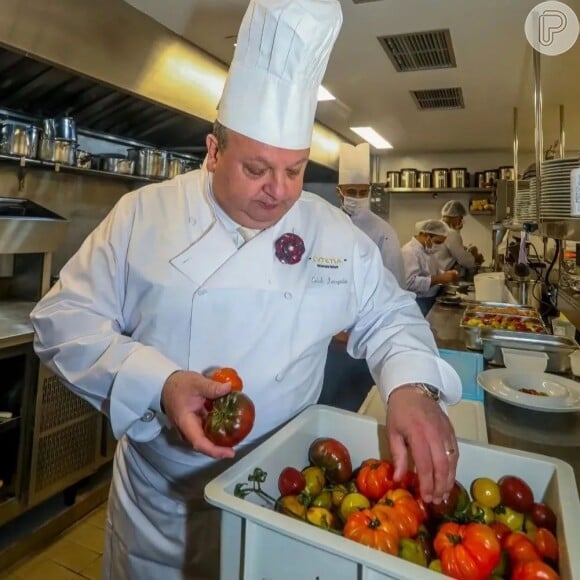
558 348
149 162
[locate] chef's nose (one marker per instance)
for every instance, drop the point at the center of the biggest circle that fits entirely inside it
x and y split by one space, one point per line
277 186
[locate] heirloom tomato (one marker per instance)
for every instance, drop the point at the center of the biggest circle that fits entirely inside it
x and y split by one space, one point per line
453 506
291 481
225 375
321 517
467 552
515 493
546 544
535 570
485 491
520 548
400 506
332 457
501 531
511 518
292 505
543 516
375 478
315 480
230 420
412 551
353 502
372 529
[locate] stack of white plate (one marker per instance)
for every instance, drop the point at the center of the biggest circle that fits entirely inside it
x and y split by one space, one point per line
555 199
525 202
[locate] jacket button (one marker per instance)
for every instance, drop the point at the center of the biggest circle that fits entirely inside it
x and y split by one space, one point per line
279 377
288 295
202 292
148 416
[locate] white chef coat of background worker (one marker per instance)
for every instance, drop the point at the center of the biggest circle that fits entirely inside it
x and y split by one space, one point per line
452 252
163 291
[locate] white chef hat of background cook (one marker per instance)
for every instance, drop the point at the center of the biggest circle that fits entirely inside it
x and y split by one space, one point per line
453 208
354 165
282 50
434 227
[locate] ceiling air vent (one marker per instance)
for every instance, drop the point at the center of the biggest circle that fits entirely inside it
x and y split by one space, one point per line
439 99
419 50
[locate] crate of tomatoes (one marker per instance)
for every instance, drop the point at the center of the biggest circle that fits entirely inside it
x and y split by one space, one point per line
318 500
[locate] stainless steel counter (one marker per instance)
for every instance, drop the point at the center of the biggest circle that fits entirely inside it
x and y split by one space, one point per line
15 326
552 434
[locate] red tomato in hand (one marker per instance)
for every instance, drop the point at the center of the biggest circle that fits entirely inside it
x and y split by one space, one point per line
230 419
332 457
546 544
535 570
291 481
467 552
516 493
228 375
375 478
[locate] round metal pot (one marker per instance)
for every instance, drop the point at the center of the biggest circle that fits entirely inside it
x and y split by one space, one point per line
63 128
440 178
19 140
408 177
116 164
393 179
149 162
459 178
57 150
424 179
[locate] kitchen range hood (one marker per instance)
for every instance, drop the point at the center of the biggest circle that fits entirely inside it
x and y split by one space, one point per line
117 71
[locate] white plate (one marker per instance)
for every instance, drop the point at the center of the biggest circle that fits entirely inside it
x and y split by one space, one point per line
564 394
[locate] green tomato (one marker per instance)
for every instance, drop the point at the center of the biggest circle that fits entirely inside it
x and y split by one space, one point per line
323 500
481 513
412 551
435 565
512 519
530 528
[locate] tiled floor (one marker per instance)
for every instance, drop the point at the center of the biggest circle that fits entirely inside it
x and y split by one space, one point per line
75 554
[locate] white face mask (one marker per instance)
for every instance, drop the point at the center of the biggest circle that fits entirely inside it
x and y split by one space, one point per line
352 205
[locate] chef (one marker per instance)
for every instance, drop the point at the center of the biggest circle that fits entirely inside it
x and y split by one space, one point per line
347 380
233 265
452 253
422 272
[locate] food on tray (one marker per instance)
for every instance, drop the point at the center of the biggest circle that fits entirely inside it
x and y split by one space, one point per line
494 530
507 310
503 322
533 392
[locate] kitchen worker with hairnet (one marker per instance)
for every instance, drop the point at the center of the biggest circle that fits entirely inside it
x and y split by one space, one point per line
422 272
452 253
347 380
233 265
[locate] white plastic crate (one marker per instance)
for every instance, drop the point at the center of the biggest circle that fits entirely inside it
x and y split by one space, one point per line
260 544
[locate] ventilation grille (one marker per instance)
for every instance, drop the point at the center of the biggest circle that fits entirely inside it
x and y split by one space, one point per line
419 50
439 99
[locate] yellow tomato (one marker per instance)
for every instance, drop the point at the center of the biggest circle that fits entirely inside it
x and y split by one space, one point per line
291 505
353 502
485 491
321 517
315 480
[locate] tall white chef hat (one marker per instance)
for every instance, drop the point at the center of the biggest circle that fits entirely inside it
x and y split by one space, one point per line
354 164
434 227
283 47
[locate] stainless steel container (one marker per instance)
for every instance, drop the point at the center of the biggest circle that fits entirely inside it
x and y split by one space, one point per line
440 178
19 139
57 150
116 164
408 177
149 162
478 179
393 179
558 348
490 177
175 167
60 128
506 172
458 177
424 179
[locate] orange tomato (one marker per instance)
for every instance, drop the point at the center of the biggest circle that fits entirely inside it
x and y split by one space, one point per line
546 544
228 375
520 548
401 507
534 570
372 529
375 478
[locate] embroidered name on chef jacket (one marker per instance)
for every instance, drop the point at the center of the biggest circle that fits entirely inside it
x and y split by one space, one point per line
326 271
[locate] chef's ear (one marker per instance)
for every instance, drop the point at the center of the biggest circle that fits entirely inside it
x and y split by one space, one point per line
339 193
211 143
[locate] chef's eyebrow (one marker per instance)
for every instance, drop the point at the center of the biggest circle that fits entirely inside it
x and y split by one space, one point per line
267 163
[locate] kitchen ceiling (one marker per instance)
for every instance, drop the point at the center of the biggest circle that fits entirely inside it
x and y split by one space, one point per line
494 70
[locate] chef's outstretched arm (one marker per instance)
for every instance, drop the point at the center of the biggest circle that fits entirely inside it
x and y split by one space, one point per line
396 341
80 332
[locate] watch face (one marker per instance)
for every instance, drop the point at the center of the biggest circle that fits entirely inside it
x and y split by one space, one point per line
433 391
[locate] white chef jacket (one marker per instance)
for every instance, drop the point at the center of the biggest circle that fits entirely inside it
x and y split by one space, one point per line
452 252
386 239
419 267
160 285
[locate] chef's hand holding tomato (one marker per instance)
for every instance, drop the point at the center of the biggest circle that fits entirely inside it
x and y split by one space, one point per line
183 399
416 423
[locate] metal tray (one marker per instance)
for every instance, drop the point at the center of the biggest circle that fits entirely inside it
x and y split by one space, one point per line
558 348
476 307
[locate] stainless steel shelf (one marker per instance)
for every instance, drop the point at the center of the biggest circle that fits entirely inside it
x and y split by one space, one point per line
482 212
481 190
25 162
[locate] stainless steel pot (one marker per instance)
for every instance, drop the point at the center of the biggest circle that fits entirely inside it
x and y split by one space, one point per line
490 177
175 167
393 179
424 179
459 178
19 139
115 163
149 162
506 172
440 178
57 150
63 128
408 177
